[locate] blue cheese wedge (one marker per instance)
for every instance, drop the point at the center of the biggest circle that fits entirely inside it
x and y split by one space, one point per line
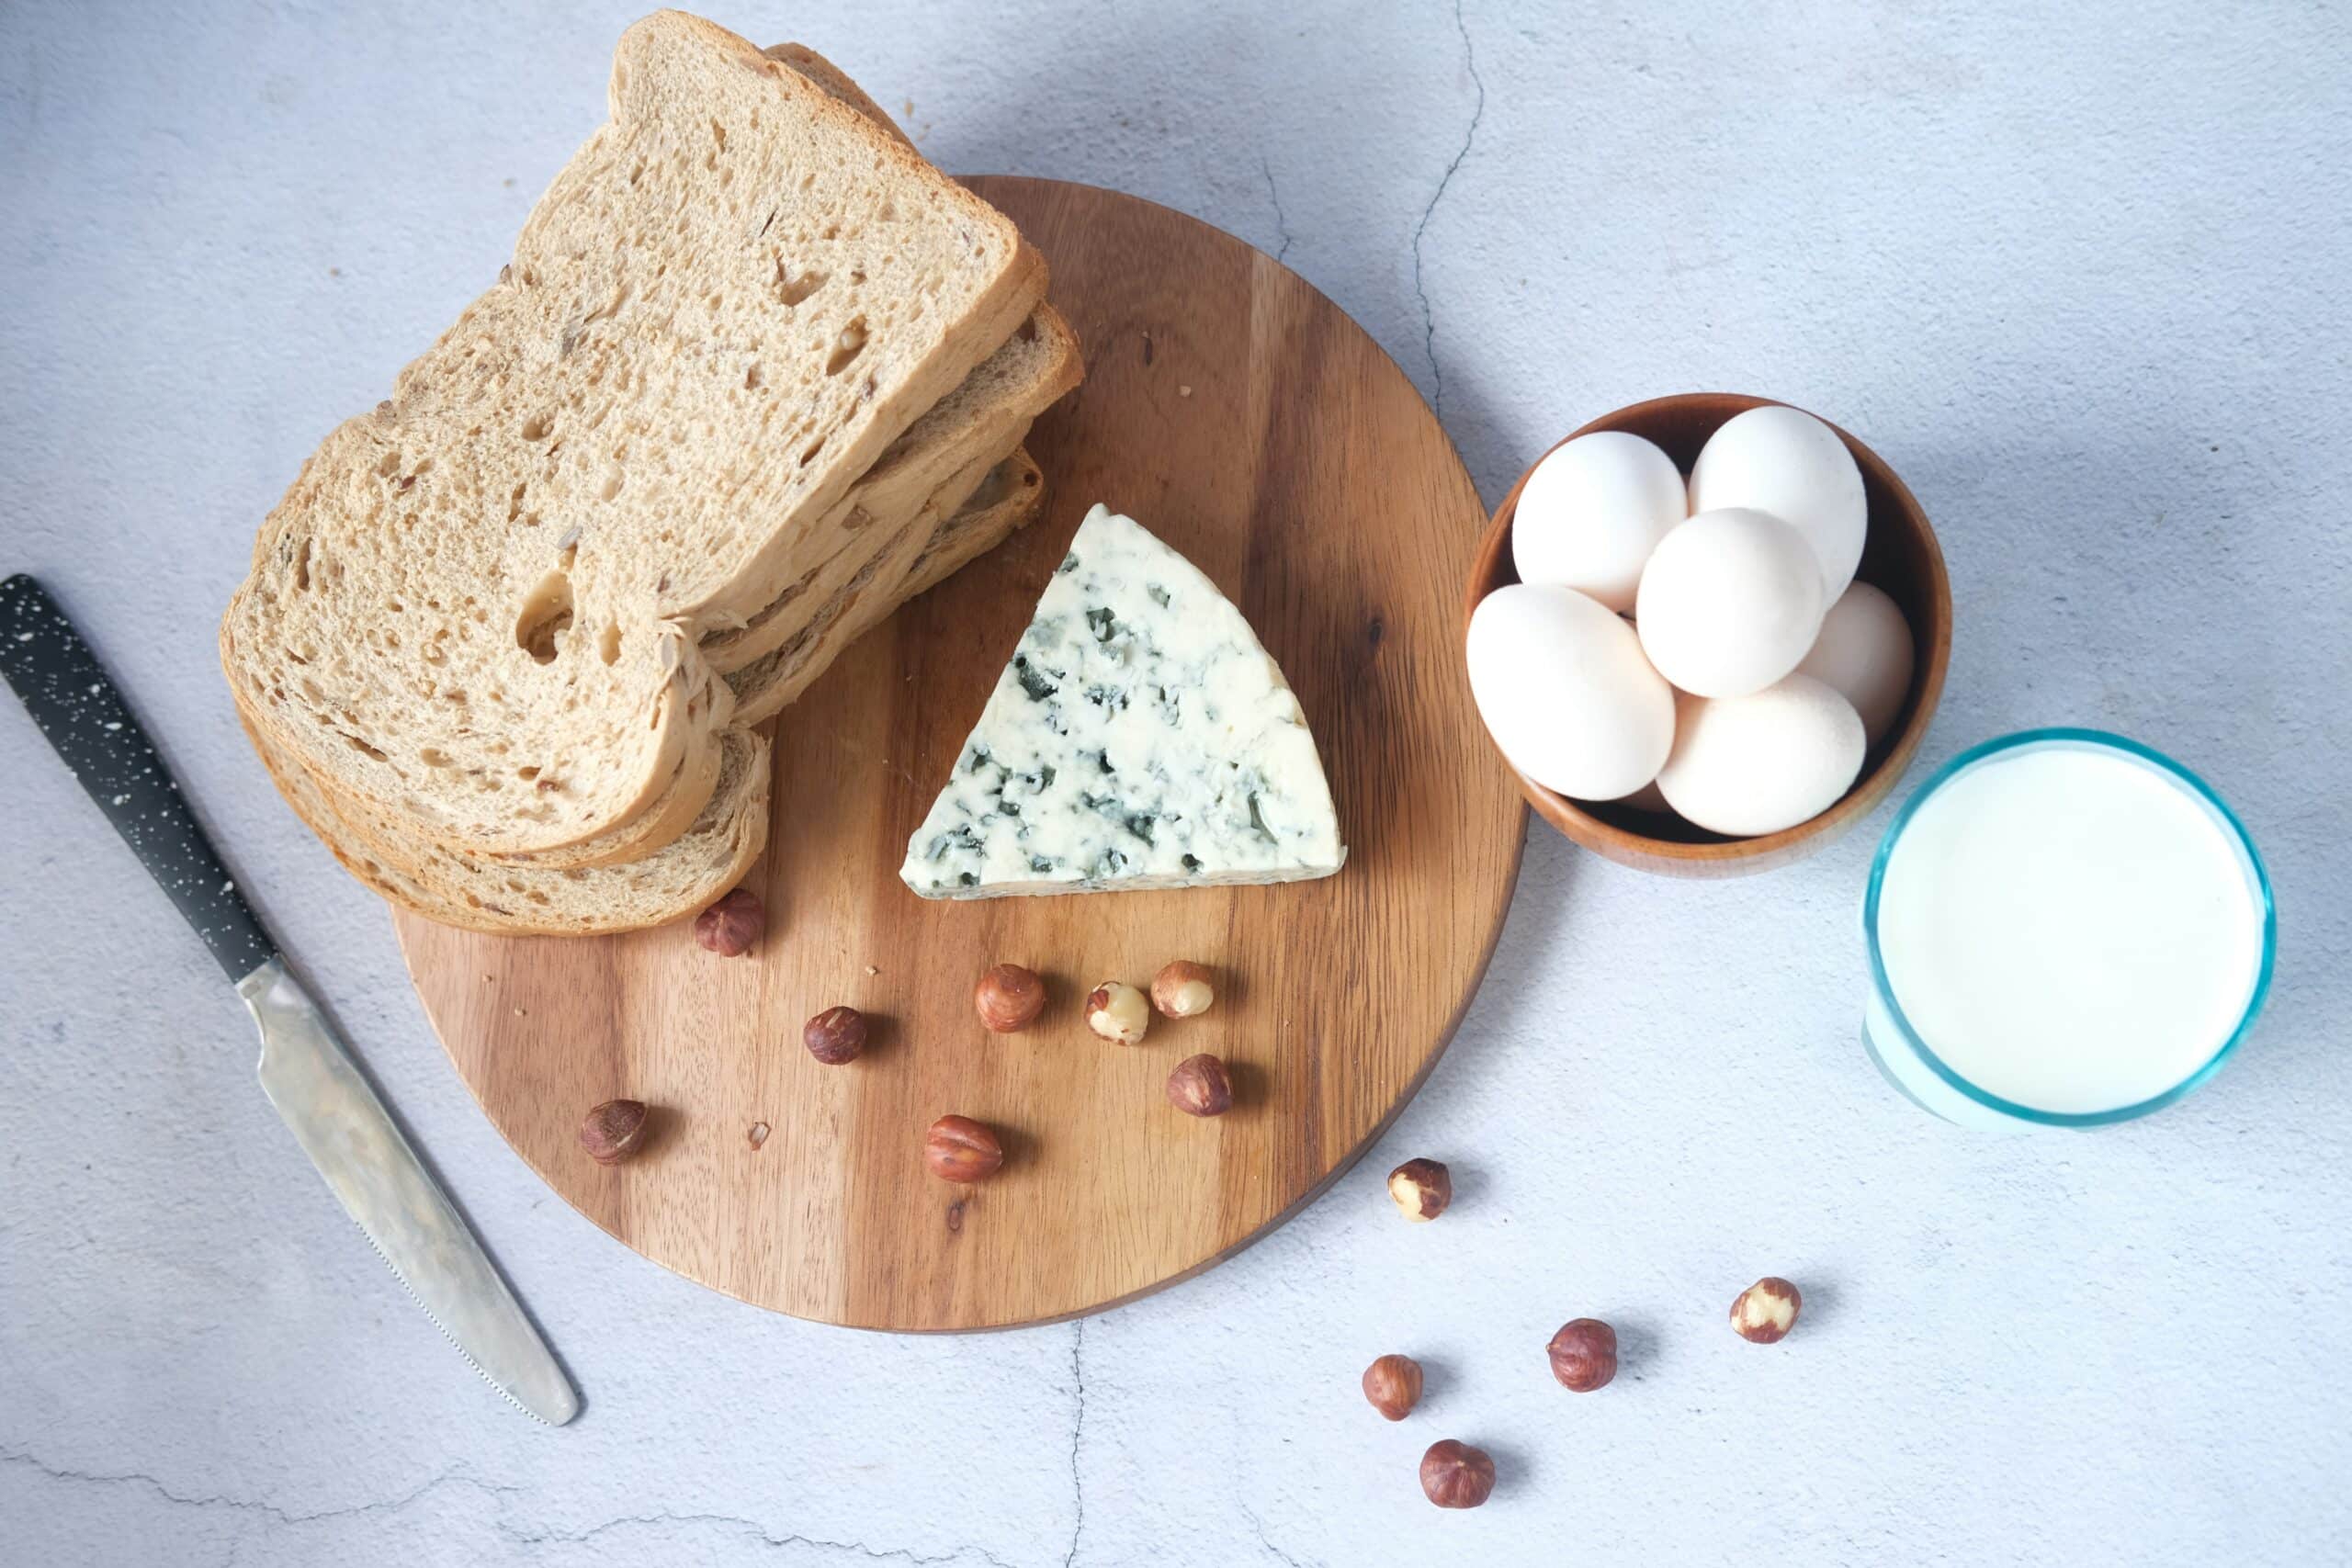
1141 738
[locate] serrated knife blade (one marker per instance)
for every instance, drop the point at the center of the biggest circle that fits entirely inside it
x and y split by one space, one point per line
305 1068
381 1184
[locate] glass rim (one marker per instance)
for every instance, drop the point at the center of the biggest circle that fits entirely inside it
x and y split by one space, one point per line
1884 990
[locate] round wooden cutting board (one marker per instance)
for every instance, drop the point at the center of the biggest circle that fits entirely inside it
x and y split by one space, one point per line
1239 414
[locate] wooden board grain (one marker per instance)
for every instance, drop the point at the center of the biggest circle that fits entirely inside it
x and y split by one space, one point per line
1243 417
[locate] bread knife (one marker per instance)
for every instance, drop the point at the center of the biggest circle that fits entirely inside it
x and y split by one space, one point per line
306 1070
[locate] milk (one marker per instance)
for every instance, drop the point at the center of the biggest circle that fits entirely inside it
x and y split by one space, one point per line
2069 924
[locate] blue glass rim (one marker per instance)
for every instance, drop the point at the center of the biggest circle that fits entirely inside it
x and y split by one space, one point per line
2131 747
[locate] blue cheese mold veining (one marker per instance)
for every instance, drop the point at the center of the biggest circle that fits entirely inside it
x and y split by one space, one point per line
1140 738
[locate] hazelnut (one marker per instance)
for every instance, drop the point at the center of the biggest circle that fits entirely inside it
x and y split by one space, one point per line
1182 990
1422 1188
1584 1355
1200 1087
613 1131
1393 1383
1009 997
729 927
1455 1476
1766 1311
1117 1011
835 1035
959 1149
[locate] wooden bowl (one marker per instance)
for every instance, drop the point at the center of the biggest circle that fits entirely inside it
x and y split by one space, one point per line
1900 556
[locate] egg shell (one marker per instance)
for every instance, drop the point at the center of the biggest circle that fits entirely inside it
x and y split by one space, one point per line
1784 461
1565 693
1592 510
1742 766
1729 603
1864 654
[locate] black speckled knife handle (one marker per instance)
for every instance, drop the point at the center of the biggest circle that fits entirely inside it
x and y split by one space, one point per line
85 719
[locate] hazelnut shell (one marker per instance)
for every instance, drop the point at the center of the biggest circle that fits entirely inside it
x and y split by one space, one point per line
835 1035
961 1150
1009 997
1584 1355
1455 1476
1393 1384
733 925
1201 1087
613 1131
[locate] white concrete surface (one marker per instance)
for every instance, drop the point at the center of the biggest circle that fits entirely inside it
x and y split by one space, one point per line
2078 272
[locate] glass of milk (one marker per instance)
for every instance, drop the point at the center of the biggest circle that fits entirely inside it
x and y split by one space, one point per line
2065 929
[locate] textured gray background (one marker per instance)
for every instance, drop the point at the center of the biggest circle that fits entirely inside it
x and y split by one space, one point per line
2078 272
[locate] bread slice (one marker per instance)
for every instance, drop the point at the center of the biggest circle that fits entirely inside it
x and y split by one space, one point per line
985 416
1006 497
488 893
456 889
978 422
477 609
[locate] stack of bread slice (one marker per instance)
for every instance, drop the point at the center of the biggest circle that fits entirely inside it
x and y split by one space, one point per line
756 374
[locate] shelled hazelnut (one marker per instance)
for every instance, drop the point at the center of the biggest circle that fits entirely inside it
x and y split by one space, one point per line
1183 989
1117 1011
1009 997
1766 1311
961 1150
1201 1087
835 1035
731 926
614 1130
1393 1384
1455 1476
1422 1188
1584 1354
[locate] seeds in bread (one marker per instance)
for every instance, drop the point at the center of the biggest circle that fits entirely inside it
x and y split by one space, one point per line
479 607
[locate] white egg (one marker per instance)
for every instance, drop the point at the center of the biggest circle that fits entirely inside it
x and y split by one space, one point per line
1565 692
1729 603
1864 654
1762 763
1592 513
1786 462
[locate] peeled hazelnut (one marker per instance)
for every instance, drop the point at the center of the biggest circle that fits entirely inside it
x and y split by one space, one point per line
1393 1383
613 1131
1117 1011
959 1149
1009 997
1200 1087
1422 1188
1182 990
835 1035
1584 1355
1455 1476
729 927
1766 1311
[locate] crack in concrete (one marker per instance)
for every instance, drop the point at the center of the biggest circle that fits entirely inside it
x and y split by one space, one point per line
1282 224
766 1537
249 1505
1076 1431
1258 1525
1477 113
519 1534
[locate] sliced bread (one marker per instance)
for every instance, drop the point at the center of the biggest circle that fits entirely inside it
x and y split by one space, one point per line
1006 497
456 889
477 609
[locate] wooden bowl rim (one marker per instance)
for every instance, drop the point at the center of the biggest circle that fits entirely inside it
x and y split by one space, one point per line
1865 793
